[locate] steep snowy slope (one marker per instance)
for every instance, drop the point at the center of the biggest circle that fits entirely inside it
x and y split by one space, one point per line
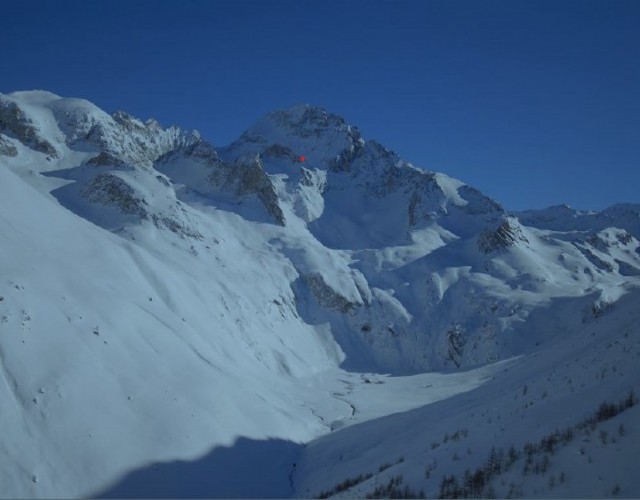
560 422
117 351
163 301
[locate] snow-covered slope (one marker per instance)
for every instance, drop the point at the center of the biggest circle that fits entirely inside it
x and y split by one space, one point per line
561 422
166 301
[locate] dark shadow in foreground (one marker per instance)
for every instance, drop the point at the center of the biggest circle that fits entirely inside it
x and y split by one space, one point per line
248 469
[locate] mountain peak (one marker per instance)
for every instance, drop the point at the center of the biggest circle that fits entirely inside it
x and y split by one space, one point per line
306 115
303 130
302 120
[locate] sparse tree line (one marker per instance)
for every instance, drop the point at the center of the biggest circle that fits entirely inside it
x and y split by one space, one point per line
478 483
360 478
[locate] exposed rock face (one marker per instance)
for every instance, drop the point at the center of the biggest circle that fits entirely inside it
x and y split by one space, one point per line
331 145
280 151
106 160
198 166
201 150
247 176
611 238
201 153
135 143
109 189
380 172
478 203
343 160
599 263
455 346
83 126
173 224
376 170
76 117
624 237
307 121
14 122
325 139
505 233
312 179
599 248
327 296
426 199
6 148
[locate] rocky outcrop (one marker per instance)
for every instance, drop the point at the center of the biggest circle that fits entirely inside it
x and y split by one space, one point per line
246 176
6 148
599 263
601 248
118 138
201 150
134 143
376 169
14 122
610 238
327 296
109 189
200 153
106 160
426 198
624 237
174 225
313 178
199 167
503 234
343 160
380 172
455 346
307 121
279 151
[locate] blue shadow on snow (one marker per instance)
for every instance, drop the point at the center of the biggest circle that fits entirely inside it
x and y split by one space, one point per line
248 469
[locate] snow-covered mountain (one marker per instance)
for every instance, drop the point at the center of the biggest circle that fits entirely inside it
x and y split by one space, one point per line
286 314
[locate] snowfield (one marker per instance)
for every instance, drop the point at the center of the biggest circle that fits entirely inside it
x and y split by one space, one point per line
181 320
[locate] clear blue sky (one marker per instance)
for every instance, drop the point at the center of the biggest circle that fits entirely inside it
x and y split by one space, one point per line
533 102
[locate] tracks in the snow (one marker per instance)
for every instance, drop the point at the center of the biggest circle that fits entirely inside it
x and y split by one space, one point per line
340 422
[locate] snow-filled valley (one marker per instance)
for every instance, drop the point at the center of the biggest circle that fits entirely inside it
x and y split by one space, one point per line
301 313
